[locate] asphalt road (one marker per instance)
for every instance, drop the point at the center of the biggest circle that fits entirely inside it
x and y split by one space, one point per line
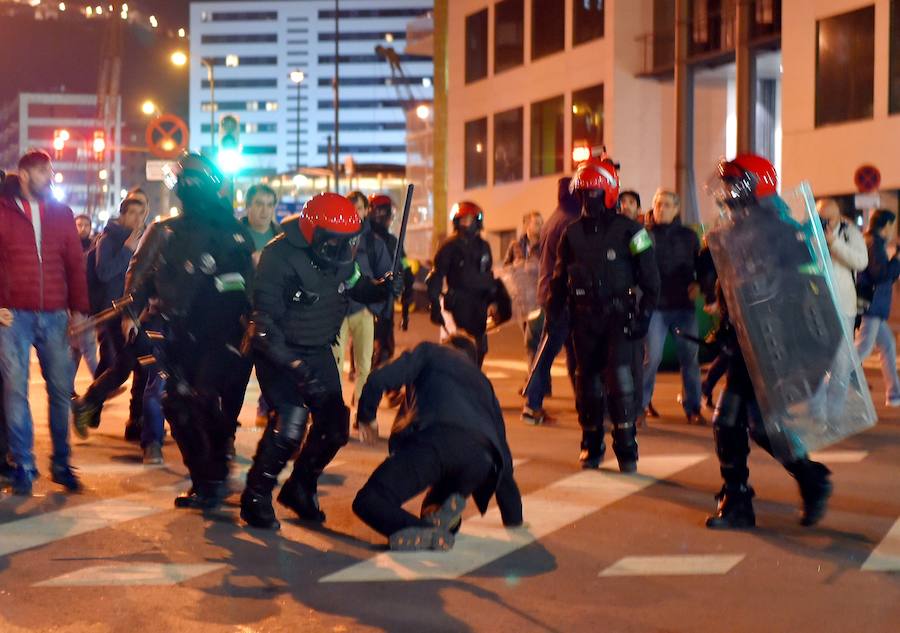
600 552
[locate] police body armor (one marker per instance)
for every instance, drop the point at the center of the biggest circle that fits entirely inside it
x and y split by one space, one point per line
322 295
470 282
602 277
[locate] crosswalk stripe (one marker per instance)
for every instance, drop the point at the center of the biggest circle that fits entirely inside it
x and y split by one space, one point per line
682 565
839 457
159 574
886 557
483 539
22 534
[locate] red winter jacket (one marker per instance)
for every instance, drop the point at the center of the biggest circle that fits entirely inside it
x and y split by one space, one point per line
54 281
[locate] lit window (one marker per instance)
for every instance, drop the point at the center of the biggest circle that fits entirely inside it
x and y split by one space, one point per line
252 106
271 106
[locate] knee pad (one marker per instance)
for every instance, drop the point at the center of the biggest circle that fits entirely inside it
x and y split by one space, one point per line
590 387
621 395
728 411
290 423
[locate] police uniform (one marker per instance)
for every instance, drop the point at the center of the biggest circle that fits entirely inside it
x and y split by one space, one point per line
603 258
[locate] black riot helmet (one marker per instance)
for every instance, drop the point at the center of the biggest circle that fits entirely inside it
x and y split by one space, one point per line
197 183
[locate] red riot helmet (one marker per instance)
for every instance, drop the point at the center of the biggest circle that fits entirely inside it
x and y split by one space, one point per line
381 209
330 225
470 209
747 177
598 176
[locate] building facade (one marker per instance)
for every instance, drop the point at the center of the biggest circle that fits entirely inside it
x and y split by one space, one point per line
537 78
87 180
254 47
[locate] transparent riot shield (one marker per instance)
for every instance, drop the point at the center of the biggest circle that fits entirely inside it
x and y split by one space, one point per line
776 275
521 281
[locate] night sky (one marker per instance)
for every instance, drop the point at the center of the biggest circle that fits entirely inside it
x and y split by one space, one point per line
47 55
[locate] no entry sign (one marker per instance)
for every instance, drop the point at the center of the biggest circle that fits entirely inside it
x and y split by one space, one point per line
167 136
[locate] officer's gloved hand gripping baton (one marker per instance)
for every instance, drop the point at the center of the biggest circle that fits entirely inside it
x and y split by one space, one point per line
397 263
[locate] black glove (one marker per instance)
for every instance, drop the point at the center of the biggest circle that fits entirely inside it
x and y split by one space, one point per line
436 317
394 283
309 385
637 327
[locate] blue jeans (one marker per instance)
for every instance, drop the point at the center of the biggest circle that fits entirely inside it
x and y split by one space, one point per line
153 419
660 324
875 332
86 348
556 338
46 332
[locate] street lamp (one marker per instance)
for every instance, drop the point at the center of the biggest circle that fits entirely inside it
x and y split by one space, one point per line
423 112
297 76
149 108
179 58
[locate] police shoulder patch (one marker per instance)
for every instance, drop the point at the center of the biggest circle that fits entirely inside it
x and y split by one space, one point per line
640 242
351 281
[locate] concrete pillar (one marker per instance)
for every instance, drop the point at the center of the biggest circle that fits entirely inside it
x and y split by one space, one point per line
441 204
745 81
684 115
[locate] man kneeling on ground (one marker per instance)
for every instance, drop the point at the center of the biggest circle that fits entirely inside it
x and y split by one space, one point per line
452 442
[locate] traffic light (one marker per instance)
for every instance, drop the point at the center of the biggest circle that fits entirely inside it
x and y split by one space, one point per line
229 143
99 145
59 143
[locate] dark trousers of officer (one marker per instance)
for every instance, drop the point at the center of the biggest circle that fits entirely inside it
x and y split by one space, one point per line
604 381
121 361
201 379
329 431
714 373
441 459
738 418
384 339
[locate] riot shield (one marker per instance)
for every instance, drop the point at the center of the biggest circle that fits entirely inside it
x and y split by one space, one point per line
521 281
776 275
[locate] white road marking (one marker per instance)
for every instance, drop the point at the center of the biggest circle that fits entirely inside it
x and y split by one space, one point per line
683 565
839 457
496 375
483 540
556 370
886 557
113 468
160 574
22 534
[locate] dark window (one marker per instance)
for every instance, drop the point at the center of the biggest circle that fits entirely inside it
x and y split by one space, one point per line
548 27
476 153
61 111
350 104
587 20
663 40
244 16
246 38
845 59
547 137
242 83
766 18
373 81
252 150
508 145
894 87
235 106
476 46
362 127
376 13
249 60
260 127
587 117
361 36
509 34
370 59
366 149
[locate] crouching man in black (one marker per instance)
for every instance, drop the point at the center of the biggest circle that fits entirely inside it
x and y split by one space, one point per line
452 442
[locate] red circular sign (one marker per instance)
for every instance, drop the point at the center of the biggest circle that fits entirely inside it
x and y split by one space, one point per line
167 136
867 179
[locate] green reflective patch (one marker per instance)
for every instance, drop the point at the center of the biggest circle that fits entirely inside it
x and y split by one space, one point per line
230 282
809 269
354 277
640 242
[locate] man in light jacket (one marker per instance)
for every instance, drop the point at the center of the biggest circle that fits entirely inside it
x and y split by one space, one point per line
849 256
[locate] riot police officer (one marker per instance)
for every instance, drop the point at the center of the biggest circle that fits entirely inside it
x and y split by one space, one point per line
197 266
749 186
304 282
465 261
604 257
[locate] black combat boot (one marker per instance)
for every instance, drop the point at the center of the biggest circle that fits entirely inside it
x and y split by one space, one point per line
625 446
592 449
272 454
735 510
299 494
815 489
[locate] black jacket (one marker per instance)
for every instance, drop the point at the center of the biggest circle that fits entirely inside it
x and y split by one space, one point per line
296 303
107 262
443 387
466 263
677 251
374 261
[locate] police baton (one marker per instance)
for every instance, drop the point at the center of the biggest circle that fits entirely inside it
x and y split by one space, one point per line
397 264
541 350
118 306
